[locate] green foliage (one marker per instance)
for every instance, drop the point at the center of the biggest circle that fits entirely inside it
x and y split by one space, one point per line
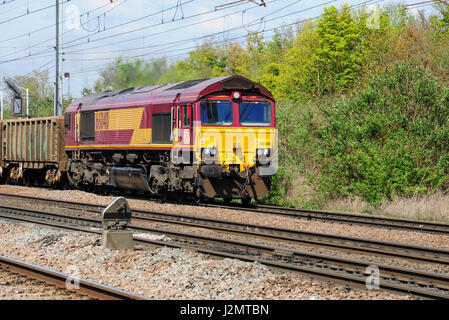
282 183
389 139
40 94
444 20
338 58
123 74
296 77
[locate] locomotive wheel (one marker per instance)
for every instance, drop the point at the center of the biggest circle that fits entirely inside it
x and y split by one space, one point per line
164 197
179 197
197 196
207 199
106 191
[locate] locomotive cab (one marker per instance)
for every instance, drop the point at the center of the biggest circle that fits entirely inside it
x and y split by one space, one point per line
236 144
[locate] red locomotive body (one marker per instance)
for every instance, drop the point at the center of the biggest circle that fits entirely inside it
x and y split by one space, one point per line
170 139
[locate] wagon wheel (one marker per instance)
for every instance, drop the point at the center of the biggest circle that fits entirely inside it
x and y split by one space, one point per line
27 180
227 201
7 180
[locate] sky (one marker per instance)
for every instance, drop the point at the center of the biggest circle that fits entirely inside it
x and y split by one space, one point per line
95 32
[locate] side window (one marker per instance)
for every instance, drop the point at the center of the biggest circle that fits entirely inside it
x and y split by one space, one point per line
187 110
161 129
68 122
87 131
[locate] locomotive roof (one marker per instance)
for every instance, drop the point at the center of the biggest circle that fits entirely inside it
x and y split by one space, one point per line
186 91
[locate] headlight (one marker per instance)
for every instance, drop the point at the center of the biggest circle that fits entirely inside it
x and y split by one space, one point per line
263 152
209 152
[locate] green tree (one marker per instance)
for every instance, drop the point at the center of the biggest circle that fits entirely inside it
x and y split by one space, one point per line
378 41
444 20
237 59
40 93
295 77
124 74
205 61
339 57
274 53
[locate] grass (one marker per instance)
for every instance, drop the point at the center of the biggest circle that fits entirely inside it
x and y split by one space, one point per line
430 207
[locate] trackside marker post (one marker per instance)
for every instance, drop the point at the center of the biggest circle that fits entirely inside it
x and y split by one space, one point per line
116 217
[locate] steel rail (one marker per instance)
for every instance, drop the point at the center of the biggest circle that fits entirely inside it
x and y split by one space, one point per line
343 270
339 217
342 217
337 242
59 279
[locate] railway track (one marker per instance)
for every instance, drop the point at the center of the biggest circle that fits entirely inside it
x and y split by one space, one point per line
321 215
86 287
303 238
342 270
333 216
341 217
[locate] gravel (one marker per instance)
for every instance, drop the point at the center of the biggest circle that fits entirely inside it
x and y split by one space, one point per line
15 286
375 259
164 273
400 236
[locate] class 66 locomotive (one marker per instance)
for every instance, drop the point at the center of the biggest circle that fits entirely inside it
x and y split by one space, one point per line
199 139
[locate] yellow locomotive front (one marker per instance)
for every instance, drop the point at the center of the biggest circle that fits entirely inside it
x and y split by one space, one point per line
236 145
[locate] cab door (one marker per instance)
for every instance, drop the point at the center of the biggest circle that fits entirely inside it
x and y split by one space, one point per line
186 131
77 123
176 123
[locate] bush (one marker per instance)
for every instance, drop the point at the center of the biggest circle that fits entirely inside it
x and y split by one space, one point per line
391 138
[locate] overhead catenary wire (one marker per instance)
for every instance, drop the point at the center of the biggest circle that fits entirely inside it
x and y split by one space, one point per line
6 2
99 67
54 24
198 38
48 51
42 54
152 26
9 8
38 68
52 39
254 22
31 12
83 51
159 33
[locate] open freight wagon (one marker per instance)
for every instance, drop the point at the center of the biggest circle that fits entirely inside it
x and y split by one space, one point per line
32 149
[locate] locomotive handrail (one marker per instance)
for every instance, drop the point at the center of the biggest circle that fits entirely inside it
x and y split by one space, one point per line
171 123
178 123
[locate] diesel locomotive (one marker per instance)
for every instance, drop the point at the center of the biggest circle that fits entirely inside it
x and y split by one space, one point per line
200 139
